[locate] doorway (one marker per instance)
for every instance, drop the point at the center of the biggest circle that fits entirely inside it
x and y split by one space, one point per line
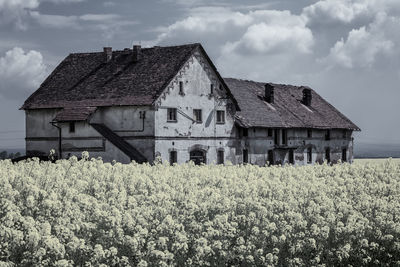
198 157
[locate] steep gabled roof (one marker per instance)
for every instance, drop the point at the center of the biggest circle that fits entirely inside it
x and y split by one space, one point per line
287 111
87 80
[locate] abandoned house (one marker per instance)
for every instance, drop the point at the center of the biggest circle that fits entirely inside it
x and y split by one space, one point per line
141 103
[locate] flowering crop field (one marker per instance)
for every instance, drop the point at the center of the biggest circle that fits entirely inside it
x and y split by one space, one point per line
90 213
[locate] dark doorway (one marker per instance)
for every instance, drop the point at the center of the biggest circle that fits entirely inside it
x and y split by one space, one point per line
291 156
344 155
328 155
198 156
245 156
270 157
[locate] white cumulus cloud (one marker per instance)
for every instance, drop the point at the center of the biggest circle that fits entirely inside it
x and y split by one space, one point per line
21 73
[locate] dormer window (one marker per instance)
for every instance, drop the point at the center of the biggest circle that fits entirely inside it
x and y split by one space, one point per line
181 89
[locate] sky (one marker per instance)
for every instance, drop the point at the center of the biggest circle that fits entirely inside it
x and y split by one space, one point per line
346 50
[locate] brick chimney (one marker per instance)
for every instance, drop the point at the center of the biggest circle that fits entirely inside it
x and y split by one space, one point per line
307 97
137 53
108 53
269 93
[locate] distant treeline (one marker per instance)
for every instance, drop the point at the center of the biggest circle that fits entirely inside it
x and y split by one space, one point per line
5 155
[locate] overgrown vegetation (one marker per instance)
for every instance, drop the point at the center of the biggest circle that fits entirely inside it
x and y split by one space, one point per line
90 213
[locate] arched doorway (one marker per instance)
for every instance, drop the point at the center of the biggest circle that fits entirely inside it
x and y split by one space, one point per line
198 156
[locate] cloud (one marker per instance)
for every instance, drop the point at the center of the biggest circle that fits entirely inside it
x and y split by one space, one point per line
347 11
365 45
16 11
21 73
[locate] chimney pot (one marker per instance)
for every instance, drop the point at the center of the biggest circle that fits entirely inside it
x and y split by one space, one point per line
269 93
137 53
108 53
307 97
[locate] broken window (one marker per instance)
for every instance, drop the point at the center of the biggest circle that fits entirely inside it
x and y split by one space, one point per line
173 157
309 133
344 154
328 155
220 116
72 127
245 156
309 155
197 115
328 135
171 114
284 137
220 157
181 92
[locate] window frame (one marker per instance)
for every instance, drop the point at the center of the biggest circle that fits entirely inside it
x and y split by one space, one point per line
198 115
218 121
175 119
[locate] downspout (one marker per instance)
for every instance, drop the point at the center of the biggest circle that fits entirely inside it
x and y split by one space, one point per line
59 139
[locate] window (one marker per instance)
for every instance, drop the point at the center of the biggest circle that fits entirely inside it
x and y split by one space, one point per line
173 157
328 135
270 132
220 157
328 155
284 137
344 134
291 156
197 115
211 89
344 155
245 132
171 114
309 155
181 92
309 133
271 157
276 136
220 116
245 156
72 127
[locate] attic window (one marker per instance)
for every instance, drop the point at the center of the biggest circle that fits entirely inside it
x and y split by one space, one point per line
181 91
72 127
211 89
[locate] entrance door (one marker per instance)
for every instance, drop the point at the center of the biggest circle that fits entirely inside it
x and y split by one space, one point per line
198 157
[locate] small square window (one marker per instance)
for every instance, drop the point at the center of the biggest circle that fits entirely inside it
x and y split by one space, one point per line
181 91
171 114
220 116
72 127
197 115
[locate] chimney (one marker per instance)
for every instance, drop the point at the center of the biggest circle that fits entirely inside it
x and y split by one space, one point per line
269 93
307 96
108 53
137 53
